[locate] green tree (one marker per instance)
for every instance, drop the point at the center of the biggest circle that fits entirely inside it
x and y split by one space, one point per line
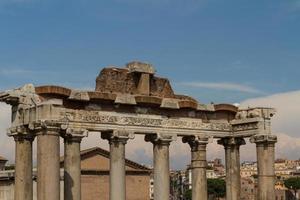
216 187
188 195
292 184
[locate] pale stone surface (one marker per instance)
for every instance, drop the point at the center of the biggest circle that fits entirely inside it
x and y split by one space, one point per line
125 99
79 95
144 84
23 171
140 67
265 145
232 164
170 103
72 168
117 141
198 166
161 165
48 174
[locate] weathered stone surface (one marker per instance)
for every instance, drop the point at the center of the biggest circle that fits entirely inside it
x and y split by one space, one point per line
116 80
170 103
125 99
79 95
141 67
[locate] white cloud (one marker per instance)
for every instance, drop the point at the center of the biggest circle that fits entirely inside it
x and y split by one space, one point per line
287 117
285 124
223 86
12 71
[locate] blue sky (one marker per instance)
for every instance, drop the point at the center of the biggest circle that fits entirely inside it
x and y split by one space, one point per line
214 50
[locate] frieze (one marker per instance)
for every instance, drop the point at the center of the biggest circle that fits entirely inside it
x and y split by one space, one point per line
140 120
246 126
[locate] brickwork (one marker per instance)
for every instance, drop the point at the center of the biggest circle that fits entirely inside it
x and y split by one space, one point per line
95 177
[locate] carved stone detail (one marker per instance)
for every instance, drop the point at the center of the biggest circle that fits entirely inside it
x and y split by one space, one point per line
48 127
227 142
79 95
160 139
20 133
117 136
272 139
23 97
196 141
141 120
265 113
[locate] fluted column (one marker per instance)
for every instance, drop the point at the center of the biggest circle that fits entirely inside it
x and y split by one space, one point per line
265 146
48 166
72 165
161 145
232 163
23 170
198 166
117 178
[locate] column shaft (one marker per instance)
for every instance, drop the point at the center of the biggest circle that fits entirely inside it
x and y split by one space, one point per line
199 180
265 146
228 172
266 174
23 171
198 166
232 163
72 169
117 171
235 173
117 178
48 167
161 171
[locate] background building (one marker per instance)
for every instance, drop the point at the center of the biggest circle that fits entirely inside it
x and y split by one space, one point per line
94 178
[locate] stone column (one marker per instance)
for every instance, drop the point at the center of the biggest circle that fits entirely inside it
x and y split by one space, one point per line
23 170
117 177
265 146
161 145
72 165
198 166
232 163
48 166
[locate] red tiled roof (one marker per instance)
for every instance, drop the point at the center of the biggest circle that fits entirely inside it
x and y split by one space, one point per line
2 158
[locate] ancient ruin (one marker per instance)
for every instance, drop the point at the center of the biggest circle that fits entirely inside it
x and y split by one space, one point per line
129 101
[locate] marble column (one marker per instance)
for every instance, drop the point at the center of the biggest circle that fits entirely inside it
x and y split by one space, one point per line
161 145
72 167
198 166
232 163
117 178
265 146
23 170
48 166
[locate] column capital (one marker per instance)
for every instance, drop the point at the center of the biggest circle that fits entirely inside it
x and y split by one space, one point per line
163 139
263 139
117 136
43 127
20 133
74 134
228 142
196 141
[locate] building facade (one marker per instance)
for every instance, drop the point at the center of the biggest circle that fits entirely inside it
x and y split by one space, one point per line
94 178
